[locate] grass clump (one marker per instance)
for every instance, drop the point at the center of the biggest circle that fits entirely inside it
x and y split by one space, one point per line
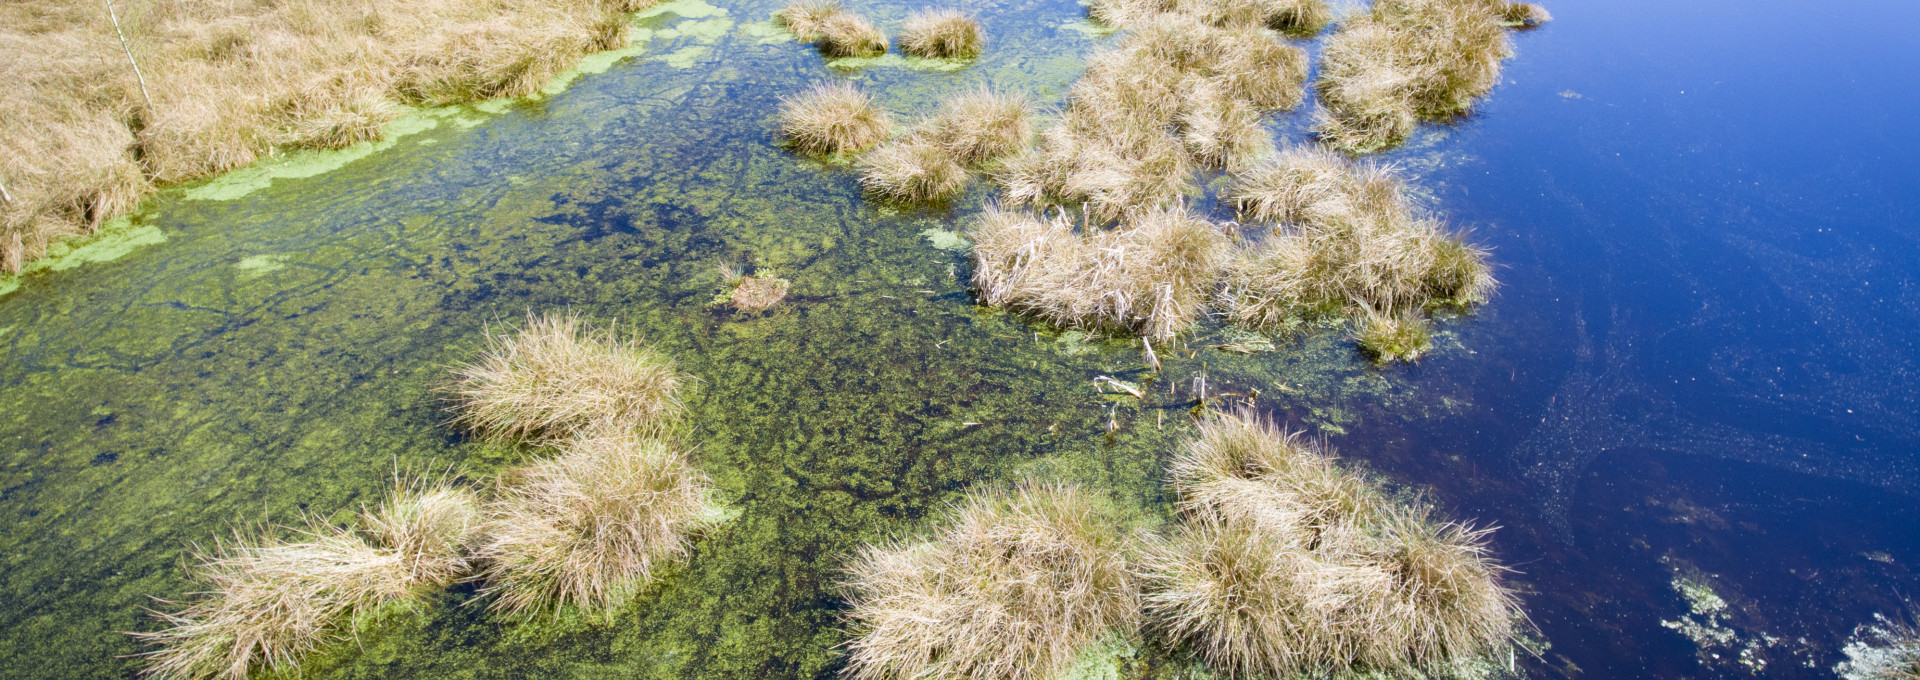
1150 276
943 34
1887 651
1408 60
1286 565
221 84
833 117
588 528
917 169
984 125
269 601
832 28
1387 337
1012 586
558 377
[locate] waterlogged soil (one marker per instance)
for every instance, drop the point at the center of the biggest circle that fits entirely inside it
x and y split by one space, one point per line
277 353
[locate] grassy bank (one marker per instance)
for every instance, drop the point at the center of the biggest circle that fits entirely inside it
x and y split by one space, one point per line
114 100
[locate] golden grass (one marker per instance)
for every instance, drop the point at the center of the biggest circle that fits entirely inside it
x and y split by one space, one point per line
984 125
1222 131
1407 60
942 33
270 601
1151 276
806 18
1286 565
1011 587
916 169
832 28
230 83
557 377
833 117
590 527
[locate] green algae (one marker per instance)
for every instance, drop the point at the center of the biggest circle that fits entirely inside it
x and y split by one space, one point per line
946 240
689 9
684 57
116 239
768 32
896 60
307 163
705 31
262 264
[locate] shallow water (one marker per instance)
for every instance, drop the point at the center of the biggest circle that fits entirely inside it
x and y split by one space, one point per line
1699 371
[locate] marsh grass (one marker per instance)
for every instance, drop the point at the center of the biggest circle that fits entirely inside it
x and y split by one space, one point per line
557 377
1888 651
270 600
942 34
1408 60
228 83
833 29
590 527
833 117
806 18
914 169
984 125
1286 565
1386 337
1150 276
1011 586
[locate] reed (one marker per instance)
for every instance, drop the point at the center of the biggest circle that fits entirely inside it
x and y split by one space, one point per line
833 117
226 84
1011 586
943 34
557 378
589 528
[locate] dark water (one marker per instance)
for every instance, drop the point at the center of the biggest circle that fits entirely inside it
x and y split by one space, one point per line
1700 369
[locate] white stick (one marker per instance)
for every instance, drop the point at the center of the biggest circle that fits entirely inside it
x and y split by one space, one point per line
4 196
129 50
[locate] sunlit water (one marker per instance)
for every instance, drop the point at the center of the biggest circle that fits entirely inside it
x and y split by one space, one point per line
1698 377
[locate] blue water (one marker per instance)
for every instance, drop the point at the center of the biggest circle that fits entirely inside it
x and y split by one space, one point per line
1700 368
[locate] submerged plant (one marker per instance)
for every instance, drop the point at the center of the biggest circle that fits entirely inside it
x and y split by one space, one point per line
832 118
756 293
557 378
590 527
941 33
1012 586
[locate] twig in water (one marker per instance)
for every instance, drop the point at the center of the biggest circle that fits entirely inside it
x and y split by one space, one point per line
1124 387
1152 360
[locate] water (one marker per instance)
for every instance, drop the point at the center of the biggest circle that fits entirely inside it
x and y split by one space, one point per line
1699 370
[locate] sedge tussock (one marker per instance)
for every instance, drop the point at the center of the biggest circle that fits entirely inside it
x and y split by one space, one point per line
845 34
558 377
589 528
917 169
1524 15
984 125
805 18
1407 60
1222 131
1012 586
1285 565
833 117
941 33
270 601
82 142
1398 335
1888 650
1151 276
1298 17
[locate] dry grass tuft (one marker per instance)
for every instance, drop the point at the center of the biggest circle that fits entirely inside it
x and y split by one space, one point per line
588 528
984 125
1524 15
1150 276
1407 60
558 378
942 33
805 19
270 601
917 169
845 34
1011 587
1222 131
81 141
833 117
1285 565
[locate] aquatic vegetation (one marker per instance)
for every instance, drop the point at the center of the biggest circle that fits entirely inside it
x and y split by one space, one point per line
756 293
1408 60
833 117
984 125
1013 585
941 33
270 601
832 28
1286 565
1889 650
558 377
203 87
1151 276
590 527
1392 336
1524 15
916 169
1222 131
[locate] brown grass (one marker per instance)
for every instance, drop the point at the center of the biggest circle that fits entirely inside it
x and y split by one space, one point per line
1285 565
752 293
832 28
270 601
805 19
230 83
984 125
557 377
1407 60
942 33
833 117
1151 276
916 169
588 528
1011 587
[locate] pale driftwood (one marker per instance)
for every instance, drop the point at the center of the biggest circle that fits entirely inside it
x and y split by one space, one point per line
115 18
